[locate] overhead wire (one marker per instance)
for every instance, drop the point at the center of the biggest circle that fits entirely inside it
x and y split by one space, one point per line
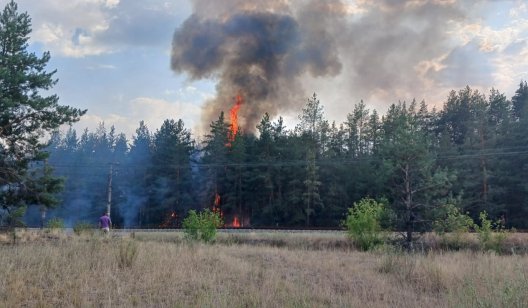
286 163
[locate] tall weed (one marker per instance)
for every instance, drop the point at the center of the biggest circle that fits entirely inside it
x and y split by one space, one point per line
127 254
453 227
491 235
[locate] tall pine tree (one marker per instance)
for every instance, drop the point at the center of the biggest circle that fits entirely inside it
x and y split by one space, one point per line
25 115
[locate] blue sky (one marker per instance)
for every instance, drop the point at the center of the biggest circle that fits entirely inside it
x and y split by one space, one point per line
113 57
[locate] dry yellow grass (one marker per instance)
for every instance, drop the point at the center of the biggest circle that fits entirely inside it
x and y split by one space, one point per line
90 271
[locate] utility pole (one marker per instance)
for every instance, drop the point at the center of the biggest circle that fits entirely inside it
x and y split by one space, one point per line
109 203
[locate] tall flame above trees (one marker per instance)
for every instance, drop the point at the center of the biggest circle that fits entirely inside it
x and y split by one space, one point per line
233 114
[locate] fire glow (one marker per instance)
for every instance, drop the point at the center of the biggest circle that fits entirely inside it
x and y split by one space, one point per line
216 205
235 223
216 209
170 220
233 114
231 134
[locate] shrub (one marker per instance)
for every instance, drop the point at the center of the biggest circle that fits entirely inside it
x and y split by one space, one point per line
14 219
55 224
201 226
453 226
363 223
491 234
127 254
83 228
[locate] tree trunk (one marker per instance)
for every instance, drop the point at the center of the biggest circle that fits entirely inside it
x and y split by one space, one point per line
408 206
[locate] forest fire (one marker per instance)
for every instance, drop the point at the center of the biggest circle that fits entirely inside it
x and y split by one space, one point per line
235 223
233 114
216 206
216 209
171 220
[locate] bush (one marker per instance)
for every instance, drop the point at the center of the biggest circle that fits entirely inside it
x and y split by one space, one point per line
83 228
201 226
491 234
55 224
14 219
453 226
363 223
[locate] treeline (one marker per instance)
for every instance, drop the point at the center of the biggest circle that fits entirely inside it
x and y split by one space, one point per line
473 153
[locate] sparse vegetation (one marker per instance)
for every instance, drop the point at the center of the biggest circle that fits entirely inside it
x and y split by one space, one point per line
491 234
128 251
55 224
453 227
83 228
121 272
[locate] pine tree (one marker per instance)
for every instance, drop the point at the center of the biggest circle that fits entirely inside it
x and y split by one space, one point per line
515 167
170 173
312 132
25 114
138 162
415 184
215 152
520 101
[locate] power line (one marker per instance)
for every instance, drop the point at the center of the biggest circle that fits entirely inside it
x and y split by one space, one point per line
289 163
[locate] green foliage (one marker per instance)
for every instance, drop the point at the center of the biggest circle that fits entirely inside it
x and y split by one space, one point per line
55 224
83 228
170 166
25 115
453 226
14 217
363 223
491 234
415 182
201 226
453 221
128 251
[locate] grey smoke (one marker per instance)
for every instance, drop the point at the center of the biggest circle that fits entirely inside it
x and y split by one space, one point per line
260 52
391 39
268 49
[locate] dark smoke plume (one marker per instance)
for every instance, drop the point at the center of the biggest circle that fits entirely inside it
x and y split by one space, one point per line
259 49
381 51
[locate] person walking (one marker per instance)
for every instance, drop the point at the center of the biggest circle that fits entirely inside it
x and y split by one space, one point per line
105 223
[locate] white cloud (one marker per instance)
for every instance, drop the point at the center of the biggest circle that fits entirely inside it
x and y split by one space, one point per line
69 27
151 110
102 66
79 28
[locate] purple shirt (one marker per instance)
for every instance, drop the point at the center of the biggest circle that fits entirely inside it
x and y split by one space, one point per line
105 221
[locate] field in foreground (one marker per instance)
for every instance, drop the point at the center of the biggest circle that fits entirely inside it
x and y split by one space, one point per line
91 271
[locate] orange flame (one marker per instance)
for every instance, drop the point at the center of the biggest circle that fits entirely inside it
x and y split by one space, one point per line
170 220
233 114
236 223
216 205
217 209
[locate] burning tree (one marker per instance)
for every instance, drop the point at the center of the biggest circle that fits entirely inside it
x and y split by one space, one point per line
224 151
233 114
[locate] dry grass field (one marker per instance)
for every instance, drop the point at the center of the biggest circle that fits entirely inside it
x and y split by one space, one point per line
161 270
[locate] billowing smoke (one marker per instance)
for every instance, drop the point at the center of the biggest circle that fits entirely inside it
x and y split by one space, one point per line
260 50
396 49
386 50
